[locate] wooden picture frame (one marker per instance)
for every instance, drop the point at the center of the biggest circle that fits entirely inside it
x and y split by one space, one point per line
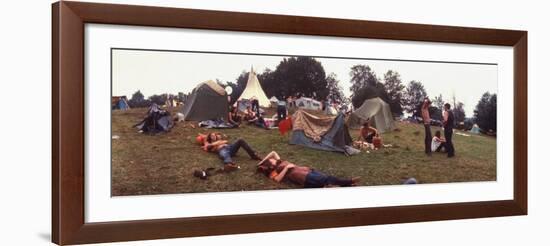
68 223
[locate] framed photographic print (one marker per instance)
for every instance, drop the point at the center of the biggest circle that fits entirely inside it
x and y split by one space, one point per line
175 122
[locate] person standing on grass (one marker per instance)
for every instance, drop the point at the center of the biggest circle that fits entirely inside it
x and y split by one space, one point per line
448 124
282 111
425 109
276 169
255 105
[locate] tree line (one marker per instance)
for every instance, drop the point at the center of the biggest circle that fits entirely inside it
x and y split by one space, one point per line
306 76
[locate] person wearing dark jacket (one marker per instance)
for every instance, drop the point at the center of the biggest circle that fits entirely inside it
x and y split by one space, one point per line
448 124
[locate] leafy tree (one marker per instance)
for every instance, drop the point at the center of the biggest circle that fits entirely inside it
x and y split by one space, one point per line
335 90
459 113
137 96
394 90
138 100
158 99
369 92
438 102
414 96
485 114
362 76
267 80
303 76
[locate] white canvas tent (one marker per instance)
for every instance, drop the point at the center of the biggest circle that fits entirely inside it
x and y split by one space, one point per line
254 90
308 103
377 112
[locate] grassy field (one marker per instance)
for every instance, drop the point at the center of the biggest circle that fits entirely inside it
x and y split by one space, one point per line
164 163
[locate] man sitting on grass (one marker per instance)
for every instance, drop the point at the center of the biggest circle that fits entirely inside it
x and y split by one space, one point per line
369 134
215 143
273 167
438 143
254 118
233 117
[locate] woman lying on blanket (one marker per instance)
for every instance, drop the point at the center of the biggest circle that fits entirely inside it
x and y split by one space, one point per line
273 167
215 143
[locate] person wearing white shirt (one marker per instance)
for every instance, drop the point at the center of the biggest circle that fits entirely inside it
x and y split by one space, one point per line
438 143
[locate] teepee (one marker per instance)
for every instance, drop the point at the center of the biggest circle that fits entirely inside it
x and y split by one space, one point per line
254 90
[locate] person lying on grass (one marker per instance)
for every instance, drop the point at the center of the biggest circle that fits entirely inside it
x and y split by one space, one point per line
273 167
438 143
215 143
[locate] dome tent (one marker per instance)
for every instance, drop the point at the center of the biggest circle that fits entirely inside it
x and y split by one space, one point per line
208 101
377 112
322 133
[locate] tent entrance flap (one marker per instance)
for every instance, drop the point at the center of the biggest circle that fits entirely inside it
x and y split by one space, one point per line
322 133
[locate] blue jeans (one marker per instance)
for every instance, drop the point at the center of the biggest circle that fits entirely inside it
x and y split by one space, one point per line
231 150
315 179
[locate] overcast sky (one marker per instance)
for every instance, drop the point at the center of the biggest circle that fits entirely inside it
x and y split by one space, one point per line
157 72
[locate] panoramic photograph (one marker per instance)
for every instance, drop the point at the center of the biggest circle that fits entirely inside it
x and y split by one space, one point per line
195 122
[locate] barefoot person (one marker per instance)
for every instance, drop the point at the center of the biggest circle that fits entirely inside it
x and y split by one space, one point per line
425 109
448 124
273 167
438 143
368 132
215 143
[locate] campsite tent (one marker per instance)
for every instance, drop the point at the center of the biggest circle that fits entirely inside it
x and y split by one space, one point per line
253 89
475 129
308 103
326 133
208 101
120 103
157 120
375 110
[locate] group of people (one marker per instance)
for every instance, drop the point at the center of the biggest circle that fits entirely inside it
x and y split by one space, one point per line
272 166
436 143
253 116
277 169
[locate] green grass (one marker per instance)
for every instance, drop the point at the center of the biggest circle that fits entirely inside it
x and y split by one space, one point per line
164 163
